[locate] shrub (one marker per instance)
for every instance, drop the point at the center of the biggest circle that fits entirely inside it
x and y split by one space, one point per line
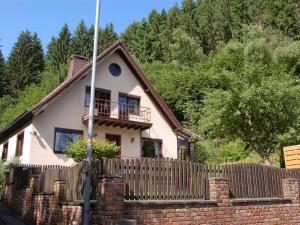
3 169
101 150
233 151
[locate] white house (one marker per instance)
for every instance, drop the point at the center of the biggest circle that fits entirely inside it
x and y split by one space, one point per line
128 111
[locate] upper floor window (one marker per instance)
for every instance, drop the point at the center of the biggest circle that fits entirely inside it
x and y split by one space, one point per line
4 151
129 104
63 137
99 94
20 142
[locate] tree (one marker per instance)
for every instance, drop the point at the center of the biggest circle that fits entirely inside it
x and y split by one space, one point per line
82 41
185 49
187 17
107 36
155 43
257 102
3 78
59 48
282 15
136 38
25 62
208 21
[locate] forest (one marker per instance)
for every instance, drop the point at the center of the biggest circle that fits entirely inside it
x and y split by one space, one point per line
228 69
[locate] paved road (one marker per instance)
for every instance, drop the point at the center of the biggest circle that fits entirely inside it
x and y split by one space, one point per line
8 218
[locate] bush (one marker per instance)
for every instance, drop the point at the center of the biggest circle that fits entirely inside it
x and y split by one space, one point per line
233 151
3 169
101 150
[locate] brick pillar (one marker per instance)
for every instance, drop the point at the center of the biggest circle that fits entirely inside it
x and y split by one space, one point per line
59 190
28 208
6 188
110 198
59 196
33 184
290 187
219 190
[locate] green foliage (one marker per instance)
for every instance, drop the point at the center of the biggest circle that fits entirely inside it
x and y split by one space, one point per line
25 63
259 102
10 108
3 77
101 150
184 49
82 41
107 37
233 151
59 49
3 169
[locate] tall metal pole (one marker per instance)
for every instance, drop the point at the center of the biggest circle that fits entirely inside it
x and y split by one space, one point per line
87 184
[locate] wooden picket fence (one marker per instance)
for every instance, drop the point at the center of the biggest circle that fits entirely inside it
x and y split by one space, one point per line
161 179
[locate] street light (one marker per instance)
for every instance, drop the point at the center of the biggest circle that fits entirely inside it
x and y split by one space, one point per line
87 184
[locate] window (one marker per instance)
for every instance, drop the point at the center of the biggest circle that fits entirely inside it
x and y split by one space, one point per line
63 137
4 152
115 69
19 146
183 149
99 94
114 138
151 148
129 104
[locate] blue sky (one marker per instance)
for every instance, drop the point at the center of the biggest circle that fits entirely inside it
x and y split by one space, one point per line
46 17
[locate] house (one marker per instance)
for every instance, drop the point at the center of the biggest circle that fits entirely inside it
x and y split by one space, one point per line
128 111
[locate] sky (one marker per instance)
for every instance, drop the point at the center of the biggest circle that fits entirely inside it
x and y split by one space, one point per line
46 17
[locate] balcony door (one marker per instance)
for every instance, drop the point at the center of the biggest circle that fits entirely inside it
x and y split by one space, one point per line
102 101
128 104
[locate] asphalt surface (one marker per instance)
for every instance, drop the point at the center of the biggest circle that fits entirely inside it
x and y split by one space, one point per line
8 218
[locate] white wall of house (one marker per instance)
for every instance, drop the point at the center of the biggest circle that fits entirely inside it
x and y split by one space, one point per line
67 111
130 139
12 143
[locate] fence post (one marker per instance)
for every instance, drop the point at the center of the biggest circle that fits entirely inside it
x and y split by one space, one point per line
219 190
110 198
290 187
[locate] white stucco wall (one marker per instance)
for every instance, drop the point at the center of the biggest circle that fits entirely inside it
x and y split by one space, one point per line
68 109
12 143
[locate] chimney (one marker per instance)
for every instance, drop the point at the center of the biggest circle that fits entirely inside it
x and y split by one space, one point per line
76 64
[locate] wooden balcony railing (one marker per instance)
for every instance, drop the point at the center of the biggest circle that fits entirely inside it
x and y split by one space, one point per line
115 110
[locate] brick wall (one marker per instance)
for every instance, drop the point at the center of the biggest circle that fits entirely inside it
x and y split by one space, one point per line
110 207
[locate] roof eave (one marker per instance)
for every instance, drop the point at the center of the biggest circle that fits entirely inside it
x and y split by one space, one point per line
16 124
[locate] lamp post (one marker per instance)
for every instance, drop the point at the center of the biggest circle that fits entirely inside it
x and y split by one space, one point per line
87 184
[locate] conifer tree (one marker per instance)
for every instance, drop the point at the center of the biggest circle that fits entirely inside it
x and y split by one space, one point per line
81 41
153 36
25 62
59 48
188 13
3 79
208 18
107 36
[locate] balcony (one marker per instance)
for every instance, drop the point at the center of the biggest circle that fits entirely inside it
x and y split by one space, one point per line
119 115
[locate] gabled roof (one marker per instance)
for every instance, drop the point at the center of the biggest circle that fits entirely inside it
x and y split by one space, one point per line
84 71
